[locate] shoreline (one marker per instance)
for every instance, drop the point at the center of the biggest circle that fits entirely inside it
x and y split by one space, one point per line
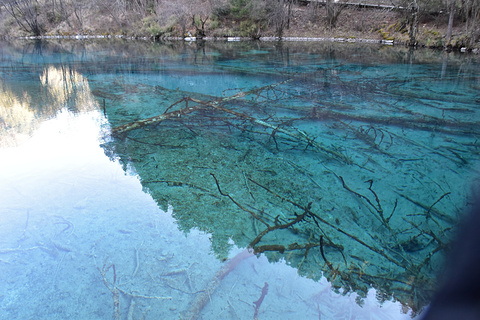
233 39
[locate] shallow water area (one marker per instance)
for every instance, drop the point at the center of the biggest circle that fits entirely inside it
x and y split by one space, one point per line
230 180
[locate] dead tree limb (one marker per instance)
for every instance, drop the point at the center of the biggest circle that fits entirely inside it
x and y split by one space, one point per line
204 296
238 204
258 303
153 120
430 209
381 252
277 226
178 113
113 288
298 135
217 105
377 208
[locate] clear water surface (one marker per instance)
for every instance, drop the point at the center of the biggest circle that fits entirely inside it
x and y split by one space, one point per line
230 180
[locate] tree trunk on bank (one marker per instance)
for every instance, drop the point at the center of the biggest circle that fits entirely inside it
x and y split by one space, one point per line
472 17
450 24
413 24
333 10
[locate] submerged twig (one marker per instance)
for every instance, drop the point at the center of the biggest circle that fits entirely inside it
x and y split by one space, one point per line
439 199
277 226
112 288
258 303
137 260
323 254
236 203
430 209
378 209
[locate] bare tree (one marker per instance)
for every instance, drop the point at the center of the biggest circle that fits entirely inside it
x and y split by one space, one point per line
333 8
117 9
273 13
25 13
142 7
186 15
200 12
276 12
451 15
413 23
199 24
471 9
174 12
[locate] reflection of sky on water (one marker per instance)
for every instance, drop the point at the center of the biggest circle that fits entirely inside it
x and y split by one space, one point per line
61 151
61 174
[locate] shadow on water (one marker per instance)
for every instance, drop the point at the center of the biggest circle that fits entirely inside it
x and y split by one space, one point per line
348 162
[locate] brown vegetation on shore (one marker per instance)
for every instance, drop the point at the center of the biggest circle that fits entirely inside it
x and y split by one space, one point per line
439 23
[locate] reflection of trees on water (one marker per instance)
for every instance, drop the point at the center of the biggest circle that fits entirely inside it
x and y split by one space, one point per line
20 113
16 119
67 88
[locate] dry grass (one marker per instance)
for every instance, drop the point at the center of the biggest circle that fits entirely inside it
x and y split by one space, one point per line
353 23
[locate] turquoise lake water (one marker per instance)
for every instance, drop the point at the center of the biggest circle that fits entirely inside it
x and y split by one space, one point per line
242 180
